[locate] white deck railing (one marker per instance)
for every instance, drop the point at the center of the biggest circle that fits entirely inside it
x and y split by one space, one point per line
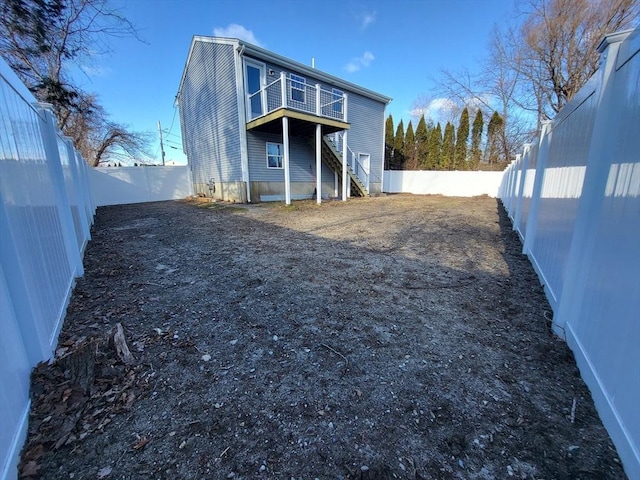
286 92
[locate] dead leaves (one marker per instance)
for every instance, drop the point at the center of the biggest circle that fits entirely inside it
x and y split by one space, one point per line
71 400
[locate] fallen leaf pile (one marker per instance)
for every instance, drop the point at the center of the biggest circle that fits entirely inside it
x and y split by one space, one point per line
77 394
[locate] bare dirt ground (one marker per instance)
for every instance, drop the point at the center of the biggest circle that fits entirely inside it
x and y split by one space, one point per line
393 337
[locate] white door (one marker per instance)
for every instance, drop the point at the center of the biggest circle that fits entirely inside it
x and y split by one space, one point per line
364 159
254 80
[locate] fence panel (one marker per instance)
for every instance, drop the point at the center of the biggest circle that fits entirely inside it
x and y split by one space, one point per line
583 233
44 226
453 184
122 185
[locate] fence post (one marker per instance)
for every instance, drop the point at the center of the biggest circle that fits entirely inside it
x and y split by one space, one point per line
78 191
48 132
519 192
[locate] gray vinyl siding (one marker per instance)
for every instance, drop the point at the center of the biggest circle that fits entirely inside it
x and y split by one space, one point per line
302 162
366 134
208 106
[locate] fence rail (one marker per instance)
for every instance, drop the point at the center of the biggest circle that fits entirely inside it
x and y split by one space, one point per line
574 199
46 212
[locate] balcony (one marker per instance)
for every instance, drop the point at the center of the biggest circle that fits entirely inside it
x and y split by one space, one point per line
305 105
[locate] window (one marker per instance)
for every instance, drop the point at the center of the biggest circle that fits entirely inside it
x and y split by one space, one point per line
274 155
337 100
297 88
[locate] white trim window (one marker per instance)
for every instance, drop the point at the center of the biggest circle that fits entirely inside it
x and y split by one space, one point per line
275 153
298 88
336 105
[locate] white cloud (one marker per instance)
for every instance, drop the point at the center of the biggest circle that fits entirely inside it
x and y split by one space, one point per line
360 62
367 19
234 30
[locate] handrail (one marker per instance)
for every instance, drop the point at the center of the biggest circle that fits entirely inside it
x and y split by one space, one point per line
356 167
314 99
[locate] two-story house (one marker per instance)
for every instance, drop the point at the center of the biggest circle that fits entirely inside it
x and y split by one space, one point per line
257 126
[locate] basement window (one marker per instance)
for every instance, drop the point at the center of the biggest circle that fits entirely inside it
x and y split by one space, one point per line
274 155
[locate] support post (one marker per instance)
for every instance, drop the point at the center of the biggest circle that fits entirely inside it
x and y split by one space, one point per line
345 175
319 163
285 160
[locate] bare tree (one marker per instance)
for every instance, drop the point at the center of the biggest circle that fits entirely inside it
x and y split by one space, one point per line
534 68
42 39
493 88
557 45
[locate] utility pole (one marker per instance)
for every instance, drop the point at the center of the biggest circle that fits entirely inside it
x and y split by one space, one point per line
161 145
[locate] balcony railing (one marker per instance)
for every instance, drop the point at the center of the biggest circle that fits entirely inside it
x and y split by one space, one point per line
286 92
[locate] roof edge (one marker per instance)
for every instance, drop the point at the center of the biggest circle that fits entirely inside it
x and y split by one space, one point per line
264 54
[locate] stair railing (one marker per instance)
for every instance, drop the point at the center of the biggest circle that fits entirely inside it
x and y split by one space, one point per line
352 160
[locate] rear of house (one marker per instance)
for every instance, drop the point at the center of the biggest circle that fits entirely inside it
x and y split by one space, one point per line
257 126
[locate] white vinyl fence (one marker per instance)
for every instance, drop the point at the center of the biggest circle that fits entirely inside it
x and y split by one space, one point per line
122 185
574 198
45 216
449 184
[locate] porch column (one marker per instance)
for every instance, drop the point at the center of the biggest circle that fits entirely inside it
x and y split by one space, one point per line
345 176
319 163
285 160
335 184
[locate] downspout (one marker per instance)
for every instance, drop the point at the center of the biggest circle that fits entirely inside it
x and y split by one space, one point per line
242 119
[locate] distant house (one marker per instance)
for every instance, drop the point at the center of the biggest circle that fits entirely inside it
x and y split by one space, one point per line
257 126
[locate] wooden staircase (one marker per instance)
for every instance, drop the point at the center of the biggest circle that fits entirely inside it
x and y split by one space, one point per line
333 159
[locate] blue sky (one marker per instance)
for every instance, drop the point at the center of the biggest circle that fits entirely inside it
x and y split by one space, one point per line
392 47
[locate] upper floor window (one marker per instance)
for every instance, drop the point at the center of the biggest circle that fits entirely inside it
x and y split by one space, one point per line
337 100
274 155
297 88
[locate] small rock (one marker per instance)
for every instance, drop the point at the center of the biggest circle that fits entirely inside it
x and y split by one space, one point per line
263 468
461 463
364 468
275 338
330 424
206 357
233 342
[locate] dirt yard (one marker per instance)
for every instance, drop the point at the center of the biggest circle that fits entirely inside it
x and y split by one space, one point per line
392 337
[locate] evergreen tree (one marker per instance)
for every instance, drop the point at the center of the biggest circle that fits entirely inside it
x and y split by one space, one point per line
398 148
389 141
410 149
476 140
422 143
492 152
448 147
434 148
462 138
